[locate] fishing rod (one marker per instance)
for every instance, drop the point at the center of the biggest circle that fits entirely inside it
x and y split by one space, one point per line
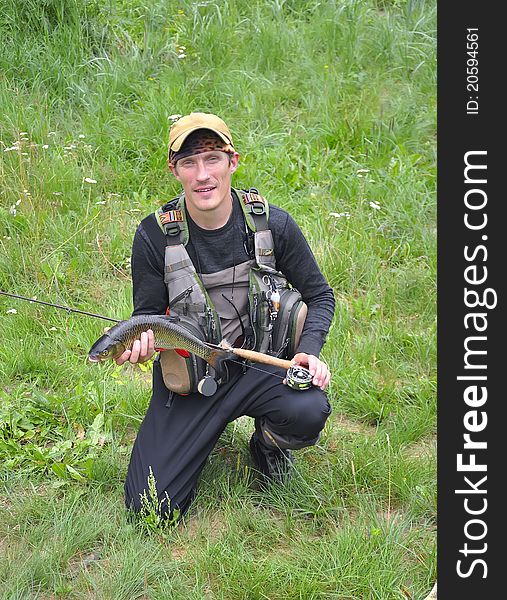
297 377
67 308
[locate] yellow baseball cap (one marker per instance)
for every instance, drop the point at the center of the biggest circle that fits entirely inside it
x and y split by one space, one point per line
184 126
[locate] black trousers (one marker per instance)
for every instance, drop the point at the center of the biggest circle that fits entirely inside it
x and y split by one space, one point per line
179 432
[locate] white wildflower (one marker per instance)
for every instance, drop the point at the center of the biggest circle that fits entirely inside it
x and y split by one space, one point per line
57 193
340 215
10 148
45 146
12 311
81 136
375 205
52 133
53 329
18 202
174 117
89 180
363 171
12 210
100 202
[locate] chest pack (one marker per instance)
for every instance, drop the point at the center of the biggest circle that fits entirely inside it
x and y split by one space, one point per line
276 311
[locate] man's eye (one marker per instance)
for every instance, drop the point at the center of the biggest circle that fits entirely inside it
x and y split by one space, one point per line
188 163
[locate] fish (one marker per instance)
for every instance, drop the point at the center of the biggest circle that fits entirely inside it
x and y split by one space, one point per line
168 335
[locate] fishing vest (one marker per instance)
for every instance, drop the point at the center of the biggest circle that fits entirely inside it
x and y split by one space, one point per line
276 311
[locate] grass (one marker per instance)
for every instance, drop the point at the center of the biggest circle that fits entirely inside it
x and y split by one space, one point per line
332 107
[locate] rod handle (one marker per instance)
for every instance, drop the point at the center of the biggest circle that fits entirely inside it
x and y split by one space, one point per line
261 358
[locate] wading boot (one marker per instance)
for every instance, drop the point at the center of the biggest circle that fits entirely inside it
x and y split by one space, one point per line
275 464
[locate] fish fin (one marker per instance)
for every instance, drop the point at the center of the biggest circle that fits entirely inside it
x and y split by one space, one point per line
225 344
170 318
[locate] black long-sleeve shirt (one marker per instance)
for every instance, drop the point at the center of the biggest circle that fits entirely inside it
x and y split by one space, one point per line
220 249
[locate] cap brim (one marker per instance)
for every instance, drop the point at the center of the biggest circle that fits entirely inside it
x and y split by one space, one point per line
178 142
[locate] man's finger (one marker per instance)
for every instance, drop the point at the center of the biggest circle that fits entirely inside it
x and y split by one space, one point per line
327 377
314 366
320 374
327 380
151 343
143 349
136 348
123 357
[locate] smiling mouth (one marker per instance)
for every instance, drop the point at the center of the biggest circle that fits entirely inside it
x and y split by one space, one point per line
206 189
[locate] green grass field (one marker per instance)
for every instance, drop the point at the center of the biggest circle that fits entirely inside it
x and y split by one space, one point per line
332 107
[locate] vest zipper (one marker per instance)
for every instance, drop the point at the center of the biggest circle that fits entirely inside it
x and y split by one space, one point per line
182 295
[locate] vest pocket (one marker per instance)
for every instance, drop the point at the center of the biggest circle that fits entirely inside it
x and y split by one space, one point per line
181 374
289 323
175 372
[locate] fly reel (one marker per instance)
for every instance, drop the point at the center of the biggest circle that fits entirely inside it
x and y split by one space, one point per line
299 378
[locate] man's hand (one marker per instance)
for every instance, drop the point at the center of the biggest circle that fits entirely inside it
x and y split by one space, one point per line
317 368
142 349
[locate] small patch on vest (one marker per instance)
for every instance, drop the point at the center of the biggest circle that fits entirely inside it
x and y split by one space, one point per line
250 197
171 216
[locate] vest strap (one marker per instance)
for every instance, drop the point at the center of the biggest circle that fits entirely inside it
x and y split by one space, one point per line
255 208
171 219
178 265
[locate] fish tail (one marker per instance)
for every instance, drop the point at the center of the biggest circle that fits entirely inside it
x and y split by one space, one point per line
217 358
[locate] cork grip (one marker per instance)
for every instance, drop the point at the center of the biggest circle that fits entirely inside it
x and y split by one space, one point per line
264 359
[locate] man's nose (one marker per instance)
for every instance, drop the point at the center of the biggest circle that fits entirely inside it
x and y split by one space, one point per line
202 171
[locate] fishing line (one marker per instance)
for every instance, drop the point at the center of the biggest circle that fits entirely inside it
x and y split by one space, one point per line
238 362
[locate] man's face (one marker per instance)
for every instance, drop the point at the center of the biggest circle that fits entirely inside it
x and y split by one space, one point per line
206 178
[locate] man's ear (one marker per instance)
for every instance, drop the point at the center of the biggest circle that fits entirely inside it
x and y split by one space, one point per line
234 161
173 170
